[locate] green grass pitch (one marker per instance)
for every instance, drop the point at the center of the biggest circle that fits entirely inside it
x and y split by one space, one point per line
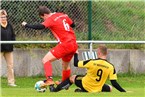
133 83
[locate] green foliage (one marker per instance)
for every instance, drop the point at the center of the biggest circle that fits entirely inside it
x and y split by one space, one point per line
118 20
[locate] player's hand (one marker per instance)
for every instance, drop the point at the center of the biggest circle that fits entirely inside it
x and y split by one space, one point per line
24 23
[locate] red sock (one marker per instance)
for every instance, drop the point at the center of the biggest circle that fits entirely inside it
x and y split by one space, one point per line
66 74
48 69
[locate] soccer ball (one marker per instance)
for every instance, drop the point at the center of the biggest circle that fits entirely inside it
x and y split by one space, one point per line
38 86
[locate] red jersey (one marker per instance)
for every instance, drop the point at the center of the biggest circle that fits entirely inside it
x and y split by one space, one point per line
59 24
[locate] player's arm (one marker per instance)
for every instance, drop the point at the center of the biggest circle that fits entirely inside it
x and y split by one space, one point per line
117 86
34 26
76 60
73 25
70 22
78 63
113 78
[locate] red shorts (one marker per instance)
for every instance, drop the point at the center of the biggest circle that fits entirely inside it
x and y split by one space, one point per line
65 50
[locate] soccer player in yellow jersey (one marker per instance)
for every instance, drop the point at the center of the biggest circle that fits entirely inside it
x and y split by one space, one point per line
98 71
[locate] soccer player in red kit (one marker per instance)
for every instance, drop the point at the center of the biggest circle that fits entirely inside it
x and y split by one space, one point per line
61 27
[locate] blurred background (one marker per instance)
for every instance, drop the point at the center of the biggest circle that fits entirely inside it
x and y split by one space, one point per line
95 20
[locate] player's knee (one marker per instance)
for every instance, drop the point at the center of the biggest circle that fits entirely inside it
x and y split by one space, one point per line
72 78
48 57
110 88
107 88
44 61
65 66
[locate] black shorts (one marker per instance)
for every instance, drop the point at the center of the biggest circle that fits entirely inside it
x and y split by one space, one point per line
105 88
78 83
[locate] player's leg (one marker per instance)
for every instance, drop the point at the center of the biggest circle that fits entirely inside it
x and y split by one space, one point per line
78 83
77 79
66 52
106 88
66 71
65 84
70 49
48 58
52 55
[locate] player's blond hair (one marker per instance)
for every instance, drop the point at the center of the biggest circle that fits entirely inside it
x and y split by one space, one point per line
103 49
3 12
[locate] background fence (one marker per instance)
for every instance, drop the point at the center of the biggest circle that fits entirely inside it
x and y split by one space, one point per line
110 20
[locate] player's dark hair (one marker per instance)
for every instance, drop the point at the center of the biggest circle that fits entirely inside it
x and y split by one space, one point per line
43 10
103 49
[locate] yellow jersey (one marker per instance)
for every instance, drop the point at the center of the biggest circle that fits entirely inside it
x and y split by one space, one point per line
98 71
